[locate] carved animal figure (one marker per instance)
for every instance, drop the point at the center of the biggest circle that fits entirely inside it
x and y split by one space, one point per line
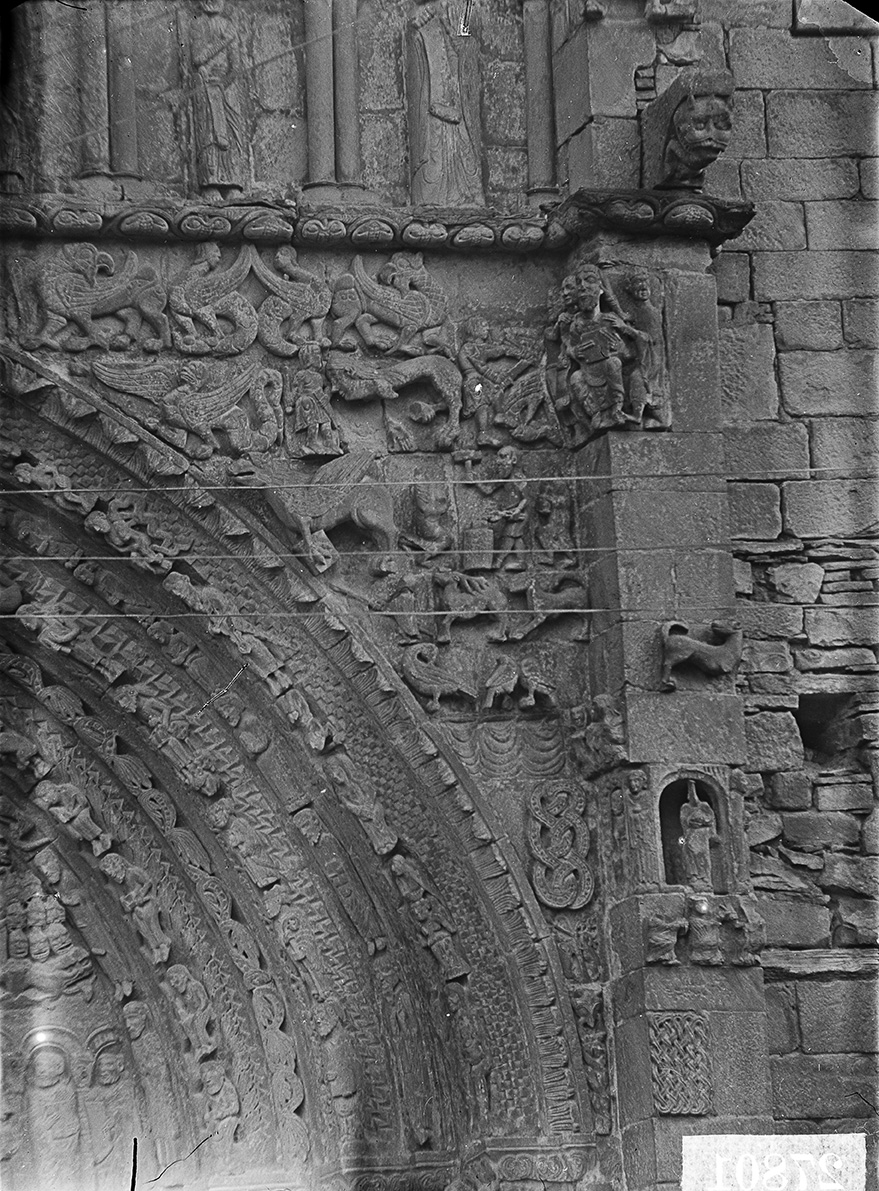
199 399
403 295
207 294
463 597
354 378
427 678
298 298
344 489
679 648
82 284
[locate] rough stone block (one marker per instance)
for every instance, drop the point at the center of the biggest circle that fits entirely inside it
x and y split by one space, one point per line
791 791
763 827
685 726
755 510
782 1026
838 1017
831 16
860 319
780 276
818 1087
835 659
869 171
503 85
819 508
771 58
842 626
767 452
847 445
743 577
722 179
773 741
733 273
817 178
771 14
607 152
808 326
748 138
797 581
870 834
856 922
767 657
760 619
813 831
507 170
792 922
843 225
851 796
851 874
738 1062
748 389
776 227
822 123
826 383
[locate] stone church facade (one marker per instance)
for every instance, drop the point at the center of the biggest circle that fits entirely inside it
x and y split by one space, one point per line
440 591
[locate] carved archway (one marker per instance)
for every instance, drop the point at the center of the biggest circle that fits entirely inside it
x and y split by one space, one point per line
339 975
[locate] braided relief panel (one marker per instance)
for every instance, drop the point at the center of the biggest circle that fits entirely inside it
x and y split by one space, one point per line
680 1064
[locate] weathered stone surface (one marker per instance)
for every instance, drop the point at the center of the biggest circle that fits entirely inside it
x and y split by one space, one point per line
685 725
763 827
839 1017
822 508
852 874
843 225
835 659
773 741
848 445
821 962
810 326
776 227
791 790
870 834
822 123
869 173
855 922
743 577
733 273
755 510
782 276
822 383
854 796
767 657
749 127
812 831
797 581
821 178
860 318
766 452
813 1087
605 153
782 1026
841 626
760 619
771 58
831 16
747 373
791 922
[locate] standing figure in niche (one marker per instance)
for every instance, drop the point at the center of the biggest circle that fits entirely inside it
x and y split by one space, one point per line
53 1117
648 400
217 107
442 83
698 835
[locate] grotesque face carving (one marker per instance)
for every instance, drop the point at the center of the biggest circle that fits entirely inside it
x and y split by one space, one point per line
703 127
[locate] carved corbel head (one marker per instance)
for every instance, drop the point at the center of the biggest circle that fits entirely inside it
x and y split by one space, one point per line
686 129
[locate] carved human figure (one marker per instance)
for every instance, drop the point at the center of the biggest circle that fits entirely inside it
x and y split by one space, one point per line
361 799
483 378
703 932
700 130
431 915
193 1008
509 488
314 429
221 156
661 936
648 400
698 835
222 1105
442 86
112 1118
68 804
159 1118
554 546
641 829
749 928
244 841
53 1112
476 1056
138 897
342 1069
596 342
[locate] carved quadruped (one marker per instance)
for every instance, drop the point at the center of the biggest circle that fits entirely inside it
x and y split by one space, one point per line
720 656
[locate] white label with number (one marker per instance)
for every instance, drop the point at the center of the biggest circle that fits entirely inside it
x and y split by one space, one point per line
775 1162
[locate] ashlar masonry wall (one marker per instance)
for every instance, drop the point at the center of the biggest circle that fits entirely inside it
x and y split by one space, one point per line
800 321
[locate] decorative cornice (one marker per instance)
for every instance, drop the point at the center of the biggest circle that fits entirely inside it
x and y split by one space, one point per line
634 212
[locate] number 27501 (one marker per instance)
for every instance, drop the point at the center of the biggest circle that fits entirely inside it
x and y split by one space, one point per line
777 1172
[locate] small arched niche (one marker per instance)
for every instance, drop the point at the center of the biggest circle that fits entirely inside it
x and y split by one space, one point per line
694 829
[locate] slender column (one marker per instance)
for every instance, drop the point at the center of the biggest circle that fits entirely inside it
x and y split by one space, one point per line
319 90
539 103
346 77
122 93
93 100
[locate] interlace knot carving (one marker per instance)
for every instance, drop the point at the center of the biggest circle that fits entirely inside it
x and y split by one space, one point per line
679 1060
559 841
